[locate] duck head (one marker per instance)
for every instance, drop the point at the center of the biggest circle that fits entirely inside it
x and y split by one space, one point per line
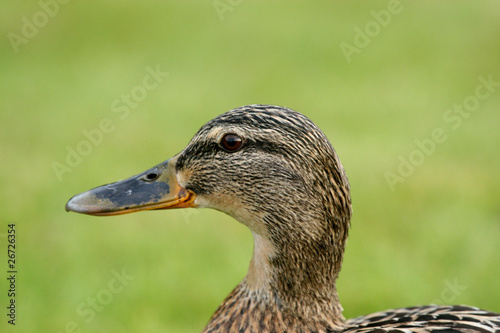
272 169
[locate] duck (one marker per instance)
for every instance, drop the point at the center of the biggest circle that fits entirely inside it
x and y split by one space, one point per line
273 170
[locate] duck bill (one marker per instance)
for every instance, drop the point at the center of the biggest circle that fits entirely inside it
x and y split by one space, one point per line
156 188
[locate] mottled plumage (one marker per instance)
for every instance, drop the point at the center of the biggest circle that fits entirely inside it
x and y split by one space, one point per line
287 184
430 318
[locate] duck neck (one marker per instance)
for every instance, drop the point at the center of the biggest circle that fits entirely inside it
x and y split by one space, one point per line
287 286
299 277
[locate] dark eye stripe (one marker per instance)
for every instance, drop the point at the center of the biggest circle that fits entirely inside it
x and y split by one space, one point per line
231 142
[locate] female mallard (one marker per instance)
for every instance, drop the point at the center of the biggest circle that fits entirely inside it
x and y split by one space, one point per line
273 170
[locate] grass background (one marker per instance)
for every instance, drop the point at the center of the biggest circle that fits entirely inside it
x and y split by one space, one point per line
440 226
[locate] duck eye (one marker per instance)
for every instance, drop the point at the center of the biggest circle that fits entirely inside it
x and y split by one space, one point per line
231 142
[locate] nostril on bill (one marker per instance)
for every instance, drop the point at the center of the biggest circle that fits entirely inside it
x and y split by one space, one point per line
151 176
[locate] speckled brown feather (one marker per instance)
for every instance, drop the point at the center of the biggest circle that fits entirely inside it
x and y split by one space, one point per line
427 319
245 311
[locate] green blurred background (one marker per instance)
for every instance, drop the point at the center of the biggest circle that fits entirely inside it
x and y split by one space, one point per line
432 238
